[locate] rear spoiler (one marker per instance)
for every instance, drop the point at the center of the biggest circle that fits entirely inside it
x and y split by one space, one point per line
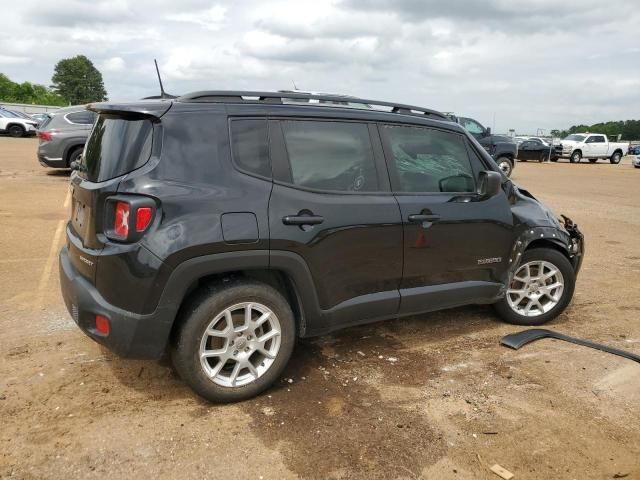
154 109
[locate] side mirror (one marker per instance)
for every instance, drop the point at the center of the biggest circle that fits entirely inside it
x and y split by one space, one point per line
487 131
489 183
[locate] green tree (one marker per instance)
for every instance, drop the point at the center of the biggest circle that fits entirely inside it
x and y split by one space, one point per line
27 92
78 81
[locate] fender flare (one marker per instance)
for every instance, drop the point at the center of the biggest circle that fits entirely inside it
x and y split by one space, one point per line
291 264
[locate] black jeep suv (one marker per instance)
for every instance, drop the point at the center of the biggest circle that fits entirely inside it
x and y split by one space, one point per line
221 226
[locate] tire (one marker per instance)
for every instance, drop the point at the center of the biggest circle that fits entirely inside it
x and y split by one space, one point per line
593 160
16 131
550 308
615 158
575 157
506 165
75 156
542 158
212 377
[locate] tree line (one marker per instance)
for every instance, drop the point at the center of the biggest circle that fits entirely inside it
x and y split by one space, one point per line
629 129
75 81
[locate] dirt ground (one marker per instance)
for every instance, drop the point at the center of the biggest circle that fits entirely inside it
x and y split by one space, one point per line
433 396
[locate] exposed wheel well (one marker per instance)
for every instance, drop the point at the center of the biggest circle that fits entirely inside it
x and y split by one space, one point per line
276 279
618 151
16 125
542 243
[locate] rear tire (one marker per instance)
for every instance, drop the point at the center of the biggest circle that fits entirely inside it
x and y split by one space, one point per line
575 157
75 156
615 158
16 131
549 296
232 348
506 165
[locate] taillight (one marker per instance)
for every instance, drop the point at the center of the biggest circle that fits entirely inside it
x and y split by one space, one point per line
121 225
143 218
128 217
102 324
45 136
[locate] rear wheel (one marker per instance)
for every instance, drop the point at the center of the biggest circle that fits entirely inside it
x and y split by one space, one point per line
575 157
615 158
505 165
75 156
541 288
235 340
16 131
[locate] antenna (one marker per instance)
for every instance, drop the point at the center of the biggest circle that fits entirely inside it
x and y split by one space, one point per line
294 84
162 94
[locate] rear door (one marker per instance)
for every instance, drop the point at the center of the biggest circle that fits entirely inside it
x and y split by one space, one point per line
456 243
331 205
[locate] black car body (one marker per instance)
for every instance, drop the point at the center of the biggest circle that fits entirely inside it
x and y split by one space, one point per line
502 149
323 204
538 150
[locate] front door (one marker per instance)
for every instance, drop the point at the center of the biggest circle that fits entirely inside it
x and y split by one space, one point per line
331 204
456 244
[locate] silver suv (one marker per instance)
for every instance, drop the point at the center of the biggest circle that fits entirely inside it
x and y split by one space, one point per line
63 135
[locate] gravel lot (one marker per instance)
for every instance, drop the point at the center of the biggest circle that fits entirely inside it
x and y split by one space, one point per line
432 396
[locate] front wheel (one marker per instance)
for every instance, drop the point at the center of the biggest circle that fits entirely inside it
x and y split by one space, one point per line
615 158
505 165
575 157
235 340
16 131
541 288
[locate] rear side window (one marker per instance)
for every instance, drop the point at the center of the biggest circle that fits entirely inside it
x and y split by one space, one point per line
330 155
116 146
428 161
81 118
250 146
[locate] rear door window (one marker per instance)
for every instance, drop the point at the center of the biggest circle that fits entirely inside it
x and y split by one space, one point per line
116 146
250 146
427 160
334 156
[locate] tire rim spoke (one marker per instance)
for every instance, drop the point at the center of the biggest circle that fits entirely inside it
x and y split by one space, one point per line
536 288
244 349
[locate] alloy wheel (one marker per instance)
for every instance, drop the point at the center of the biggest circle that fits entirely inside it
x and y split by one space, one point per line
240 344
536 288
505 166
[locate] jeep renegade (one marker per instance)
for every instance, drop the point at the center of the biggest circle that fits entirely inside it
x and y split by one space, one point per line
221 226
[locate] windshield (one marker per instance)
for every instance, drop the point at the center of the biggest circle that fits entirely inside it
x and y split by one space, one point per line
116 146
8 114
576 138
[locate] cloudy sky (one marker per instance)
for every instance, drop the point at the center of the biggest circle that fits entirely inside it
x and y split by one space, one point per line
526 64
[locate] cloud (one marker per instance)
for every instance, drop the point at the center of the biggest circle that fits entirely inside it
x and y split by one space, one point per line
533 64
210 19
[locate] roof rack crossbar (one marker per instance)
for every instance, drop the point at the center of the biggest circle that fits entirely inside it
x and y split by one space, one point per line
221 96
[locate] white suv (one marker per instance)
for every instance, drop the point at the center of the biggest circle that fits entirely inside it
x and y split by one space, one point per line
16 126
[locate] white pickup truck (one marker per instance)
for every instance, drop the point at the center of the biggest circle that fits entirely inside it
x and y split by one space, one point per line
592 146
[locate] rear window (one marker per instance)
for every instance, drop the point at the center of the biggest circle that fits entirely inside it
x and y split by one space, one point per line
84 117
116 146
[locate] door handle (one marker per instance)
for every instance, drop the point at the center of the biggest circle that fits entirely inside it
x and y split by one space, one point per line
422 218
302 220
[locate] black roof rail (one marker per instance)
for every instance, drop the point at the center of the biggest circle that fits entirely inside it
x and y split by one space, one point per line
225 96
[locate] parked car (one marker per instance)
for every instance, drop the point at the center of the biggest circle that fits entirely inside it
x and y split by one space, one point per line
636 161
62 136
634 150
536 149
16 126
503 149
221 226
592 146
40 117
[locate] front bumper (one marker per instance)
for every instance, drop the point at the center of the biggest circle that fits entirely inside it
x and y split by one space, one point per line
131 334
576 249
